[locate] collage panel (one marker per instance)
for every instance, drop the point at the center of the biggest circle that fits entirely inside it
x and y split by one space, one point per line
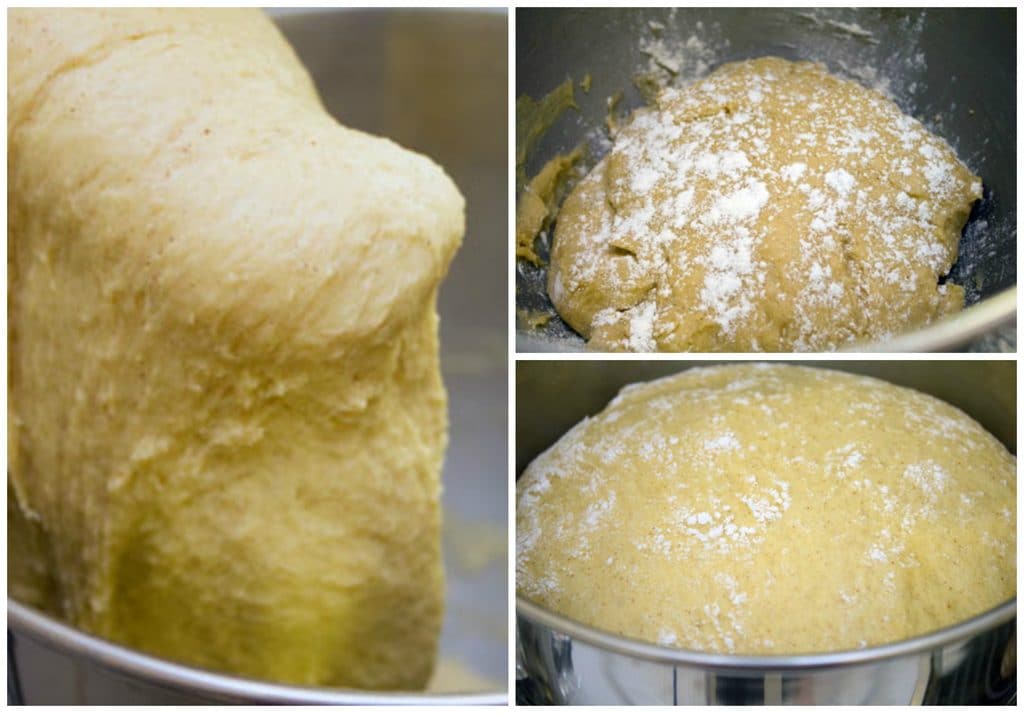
258 354
737 180
816 533
389 355
765 179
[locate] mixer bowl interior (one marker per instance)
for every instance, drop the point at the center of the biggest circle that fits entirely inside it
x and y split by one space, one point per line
954 69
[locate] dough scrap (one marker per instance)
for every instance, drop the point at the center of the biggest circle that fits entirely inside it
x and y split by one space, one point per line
768 207
769 509
226 414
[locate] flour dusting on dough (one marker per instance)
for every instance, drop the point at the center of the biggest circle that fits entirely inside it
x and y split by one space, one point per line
687 515
768 206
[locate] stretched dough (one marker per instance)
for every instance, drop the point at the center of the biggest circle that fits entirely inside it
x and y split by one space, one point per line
769 509
768 207
226 413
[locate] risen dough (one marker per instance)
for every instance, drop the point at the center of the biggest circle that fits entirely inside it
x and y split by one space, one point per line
770 206
769 509
226 415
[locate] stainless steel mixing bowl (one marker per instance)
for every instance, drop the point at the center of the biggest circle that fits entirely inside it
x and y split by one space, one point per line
435 81
952 68
563 661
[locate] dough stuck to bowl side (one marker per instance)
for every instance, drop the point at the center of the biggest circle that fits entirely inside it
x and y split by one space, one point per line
769 509
226 416
770 206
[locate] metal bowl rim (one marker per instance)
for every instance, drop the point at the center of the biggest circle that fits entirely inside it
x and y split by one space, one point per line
538 615
150 669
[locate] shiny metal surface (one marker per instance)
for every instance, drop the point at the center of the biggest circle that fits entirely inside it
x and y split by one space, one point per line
99 671
563 661
434 81
963 89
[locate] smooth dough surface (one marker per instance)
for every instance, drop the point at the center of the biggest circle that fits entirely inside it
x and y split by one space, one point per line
769 509
768 207
226 413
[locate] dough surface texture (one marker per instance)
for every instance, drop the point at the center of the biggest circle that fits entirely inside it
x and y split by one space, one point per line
770 206
769 510
226 417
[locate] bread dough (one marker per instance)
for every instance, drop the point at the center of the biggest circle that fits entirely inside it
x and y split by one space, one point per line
453 676
770 206
763 509
226 413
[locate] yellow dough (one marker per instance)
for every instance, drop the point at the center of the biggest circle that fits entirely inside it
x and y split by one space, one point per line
763 509
226 414
768 207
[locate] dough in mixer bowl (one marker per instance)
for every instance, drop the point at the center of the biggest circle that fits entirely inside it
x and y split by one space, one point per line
770 206
769 509
226 412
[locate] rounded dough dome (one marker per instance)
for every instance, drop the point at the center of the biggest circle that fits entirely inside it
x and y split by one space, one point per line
227 414
769 509
770 206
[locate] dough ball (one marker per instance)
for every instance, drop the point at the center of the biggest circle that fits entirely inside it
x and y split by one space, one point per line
769 510
768 207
